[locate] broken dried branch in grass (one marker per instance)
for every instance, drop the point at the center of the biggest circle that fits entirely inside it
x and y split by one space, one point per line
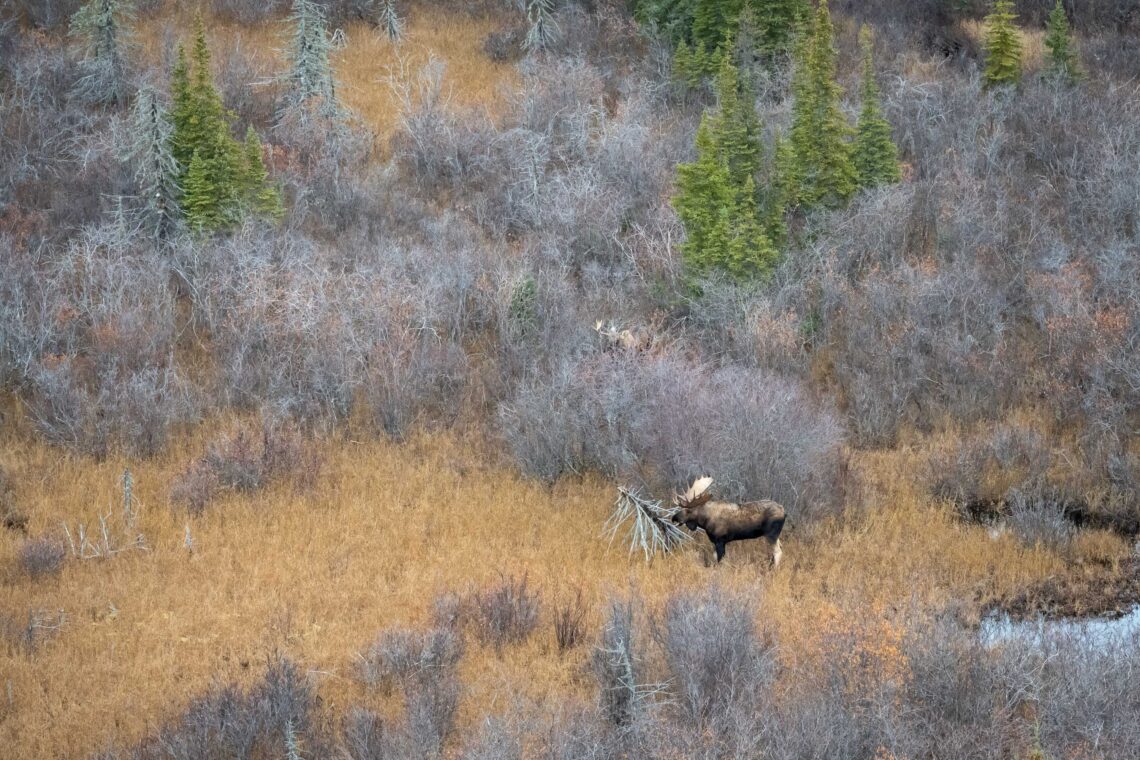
650 531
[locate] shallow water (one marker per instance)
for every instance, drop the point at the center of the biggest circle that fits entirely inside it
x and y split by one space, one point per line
999 629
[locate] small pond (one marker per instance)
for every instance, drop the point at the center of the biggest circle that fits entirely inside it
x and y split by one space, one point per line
1096 631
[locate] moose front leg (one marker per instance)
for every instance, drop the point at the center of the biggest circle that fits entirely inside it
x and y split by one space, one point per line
719 546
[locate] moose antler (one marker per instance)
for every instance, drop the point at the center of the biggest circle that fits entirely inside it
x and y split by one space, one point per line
697 494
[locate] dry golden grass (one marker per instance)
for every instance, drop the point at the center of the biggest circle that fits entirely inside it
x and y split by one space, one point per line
365 65
471 79
388 528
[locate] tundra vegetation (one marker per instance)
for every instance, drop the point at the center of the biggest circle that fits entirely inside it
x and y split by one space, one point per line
330 328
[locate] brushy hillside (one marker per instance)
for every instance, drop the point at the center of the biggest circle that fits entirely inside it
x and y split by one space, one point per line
326 344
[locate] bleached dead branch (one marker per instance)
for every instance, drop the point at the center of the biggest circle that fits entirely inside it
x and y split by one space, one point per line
650 531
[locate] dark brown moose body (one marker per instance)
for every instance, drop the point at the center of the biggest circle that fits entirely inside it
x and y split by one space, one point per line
724 522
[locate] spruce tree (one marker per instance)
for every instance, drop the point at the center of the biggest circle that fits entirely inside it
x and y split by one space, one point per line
1002 45
310 79
750 252
543 31
156 169
671 18
876 157
101 29
737 129
183 113
704 201
258 194
391 21
778 21
723 225
199 116
1059 41
714 21
200 197
782 189
214 176
825 170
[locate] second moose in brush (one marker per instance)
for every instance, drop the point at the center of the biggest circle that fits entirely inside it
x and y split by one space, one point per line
723 522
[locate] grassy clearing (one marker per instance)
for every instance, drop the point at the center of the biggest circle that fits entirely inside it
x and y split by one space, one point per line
368 63
386 530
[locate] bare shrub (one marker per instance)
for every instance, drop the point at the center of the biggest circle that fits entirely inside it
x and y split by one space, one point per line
366 736
195 487
248 459
979 472
10 515
273 717
423 665
47 14
719 667
964 697
625 696
569 623
1038 519
579 732
448 611
25 634
496 740
40 557
248 12
401 654
506 613
505 45
758 434
95 345
414 378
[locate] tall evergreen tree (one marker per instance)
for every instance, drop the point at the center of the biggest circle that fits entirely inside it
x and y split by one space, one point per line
736 126
716 196
714 21
750 252
199 116
258 195
101 28
1063 62
825 170
876 157
182 112
310 77
778 21
543 30
1003 46
201 127
671 18
219 180
391 21
201 201
156 169
782 190
704 198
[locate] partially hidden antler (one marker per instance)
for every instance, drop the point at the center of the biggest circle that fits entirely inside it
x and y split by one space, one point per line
697 494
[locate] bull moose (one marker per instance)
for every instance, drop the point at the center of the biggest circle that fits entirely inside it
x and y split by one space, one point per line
723 522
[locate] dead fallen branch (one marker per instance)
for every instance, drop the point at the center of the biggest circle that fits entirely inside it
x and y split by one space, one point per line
650 529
